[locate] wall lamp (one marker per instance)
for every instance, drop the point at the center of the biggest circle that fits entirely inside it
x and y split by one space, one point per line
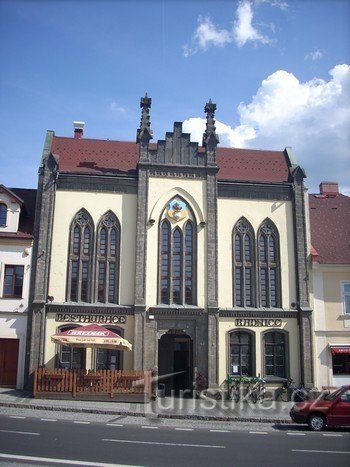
151 222
203 224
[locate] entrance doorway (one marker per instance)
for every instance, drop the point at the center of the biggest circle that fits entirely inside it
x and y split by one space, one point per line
8 361
175 362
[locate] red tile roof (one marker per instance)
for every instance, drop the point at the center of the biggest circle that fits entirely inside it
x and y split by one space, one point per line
92 156
26 220
330 228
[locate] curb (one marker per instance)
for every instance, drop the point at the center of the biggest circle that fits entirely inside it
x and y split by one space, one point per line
20 405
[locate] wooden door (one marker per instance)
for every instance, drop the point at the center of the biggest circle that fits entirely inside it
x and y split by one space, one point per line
8 361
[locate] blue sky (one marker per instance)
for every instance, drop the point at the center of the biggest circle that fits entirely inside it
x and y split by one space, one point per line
278 71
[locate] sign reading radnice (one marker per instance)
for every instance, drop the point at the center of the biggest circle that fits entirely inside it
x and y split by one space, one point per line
257 322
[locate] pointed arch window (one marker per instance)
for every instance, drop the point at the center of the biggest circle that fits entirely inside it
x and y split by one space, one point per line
177 256
244 265
108 256
3 215
269 265
80 258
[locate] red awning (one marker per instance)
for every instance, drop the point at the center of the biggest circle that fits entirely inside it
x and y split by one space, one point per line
337 350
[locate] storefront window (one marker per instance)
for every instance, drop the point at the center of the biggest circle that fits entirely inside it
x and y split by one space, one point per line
241 351
71 358
275 354
341 364
109 359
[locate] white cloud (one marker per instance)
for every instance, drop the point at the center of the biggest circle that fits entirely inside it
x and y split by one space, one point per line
115 107
313 117
243 29
229 137
208 34
205 35
277 3
315 55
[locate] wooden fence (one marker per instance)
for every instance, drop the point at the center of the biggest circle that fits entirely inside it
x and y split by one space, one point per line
77 383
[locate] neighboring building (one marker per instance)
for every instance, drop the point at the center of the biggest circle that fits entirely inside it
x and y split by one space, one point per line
17 208
195 254
330 239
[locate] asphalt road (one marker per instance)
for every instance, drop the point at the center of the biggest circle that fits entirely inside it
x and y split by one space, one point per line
51 441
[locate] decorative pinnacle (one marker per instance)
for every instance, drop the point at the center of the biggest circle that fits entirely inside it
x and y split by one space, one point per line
210 138
144 133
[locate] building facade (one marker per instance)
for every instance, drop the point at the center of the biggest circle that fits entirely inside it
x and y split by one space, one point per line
330 270
195 254
16 244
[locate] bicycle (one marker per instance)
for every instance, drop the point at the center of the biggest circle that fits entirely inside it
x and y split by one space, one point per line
255 389
291 392
256 392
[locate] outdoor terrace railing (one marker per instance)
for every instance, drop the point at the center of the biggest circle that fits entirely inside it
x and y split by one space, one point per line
82 382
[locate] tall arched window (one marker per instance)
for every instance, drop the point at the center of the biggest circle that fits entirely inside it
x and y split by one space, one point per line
177 255
80 258
241 353
269 265
243 264
3 215
275 354
108 254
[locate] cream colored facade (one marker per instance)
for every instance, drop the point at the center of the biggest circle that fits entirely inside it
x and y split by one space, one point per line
176 289
331 324
67 204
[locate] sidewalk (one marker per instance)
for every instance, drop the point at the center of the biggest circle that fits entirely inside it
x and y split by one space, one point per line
166 407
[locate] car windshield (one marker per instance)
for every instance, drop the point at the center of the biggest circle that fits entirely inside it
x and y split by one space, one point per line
333 395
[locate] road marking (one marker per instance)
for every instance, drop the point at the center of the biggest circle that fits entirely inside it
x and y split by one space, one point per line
258 432
150 427
323 452
16 416
114 424
296 434
331 434
184 429
81 423
48 419
52 460
20 432
220 431
165 444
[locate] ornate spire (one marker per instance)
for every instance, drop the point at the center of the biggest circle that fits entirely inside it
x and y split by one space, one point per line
144 133
210 138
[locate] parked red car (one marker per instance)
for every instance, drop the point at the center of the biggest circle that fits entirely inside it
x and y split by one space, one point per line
328 410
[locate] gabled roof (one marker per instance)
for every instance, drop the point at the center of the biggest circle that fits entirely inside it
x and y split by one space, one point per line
93 156
330 228
26 219
11 194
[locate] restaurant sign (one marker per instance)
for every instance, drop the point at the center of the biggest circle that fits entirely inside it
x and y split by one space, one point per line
257 322
99 319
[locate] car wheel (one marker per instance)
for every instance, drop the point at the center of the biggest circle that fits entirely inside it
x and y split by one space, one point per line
317 422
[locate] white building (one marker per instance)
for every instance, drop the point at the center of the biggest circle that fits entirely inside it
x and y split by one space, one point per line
17 208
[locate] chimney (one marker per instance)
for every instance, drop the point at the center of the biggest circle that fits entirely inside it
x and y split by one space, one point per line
78 129
330 189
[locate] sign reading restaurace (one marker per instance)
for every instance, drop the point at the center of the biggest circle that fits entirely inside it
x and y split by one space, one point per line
99 319
257 322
